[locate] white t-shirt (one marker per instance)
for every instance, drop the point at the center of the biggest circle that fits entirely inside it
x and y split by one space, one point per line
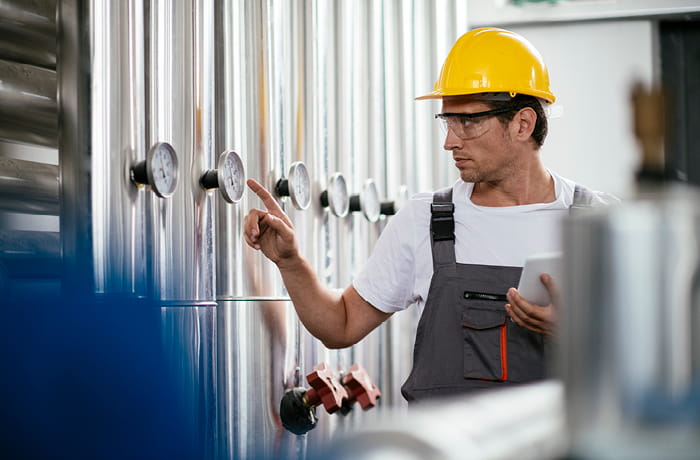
399 271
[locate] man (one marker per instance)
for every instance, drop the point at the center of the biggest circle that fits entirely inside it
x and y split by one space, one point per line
459 252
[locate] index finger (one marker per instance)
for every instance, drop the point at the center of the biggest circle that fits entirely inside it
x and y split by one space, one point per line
266 197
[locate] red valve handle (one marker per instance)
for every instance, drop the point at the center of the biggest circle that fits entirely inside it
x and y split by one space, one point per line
360 387
325 389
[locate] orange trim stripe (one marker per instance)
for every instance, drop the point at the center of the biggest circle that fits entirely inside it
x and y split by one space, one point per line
504 354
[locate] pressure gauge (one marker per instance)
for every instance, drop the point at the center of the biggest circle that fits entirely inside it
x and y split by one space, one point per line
389 208
228 177
367 201
159 170
336 196
297 186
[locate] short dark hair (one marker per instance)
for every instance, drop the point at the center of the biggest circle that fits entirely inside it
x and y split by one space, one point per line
520 101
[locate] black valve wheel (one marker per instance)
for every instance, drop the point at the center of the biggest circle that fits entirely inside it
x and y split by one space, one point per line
296 415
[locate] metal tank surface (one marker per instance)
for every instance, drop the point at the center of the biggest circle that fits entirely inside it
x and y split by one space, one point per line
146 97
259 352
630 323
180 109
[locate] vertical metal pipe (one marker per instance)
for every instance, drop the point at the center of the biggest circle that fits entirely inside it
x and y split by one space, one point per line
181 93
346 24
428 140
322 238
369 131
181 90
75 149
118 141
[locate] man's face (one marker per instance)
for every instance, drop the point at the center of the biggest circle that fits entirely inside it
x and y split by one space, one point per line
485 151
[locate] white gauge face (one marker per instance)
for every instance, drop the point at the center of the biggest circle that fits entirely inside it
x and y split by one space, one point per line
299 185
370 201
162 169
231 176
338 198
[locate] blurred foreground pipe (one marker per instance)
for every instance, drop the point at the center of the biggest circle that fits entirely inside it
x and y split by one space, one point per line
30 254
28 111
523 422
28 187
28 32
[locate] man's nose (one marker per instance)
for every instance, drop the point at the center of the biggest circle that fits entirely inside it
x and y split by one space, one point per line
452 141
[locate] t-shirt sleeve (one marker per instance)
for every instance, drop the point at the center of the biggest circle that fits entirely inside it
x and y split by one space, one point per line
388 279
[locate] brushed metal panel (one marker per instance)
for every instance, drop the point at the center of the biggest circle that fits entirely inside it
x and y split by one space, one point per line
28 108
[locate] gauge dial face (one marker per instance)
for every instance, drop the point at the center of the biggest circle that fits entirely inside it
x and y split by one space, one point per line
162 169
369 200
231 176
299 185
338 198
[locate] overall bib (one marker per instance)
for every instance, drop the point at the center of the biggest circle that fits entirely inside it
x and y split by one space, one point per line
465 340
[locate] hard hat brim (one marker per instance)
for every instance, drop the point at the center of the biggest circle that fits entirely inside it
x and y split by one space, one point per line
549 98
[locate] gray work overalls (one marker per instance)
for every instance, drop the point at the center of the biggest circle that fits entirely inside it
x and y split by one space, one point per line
465 341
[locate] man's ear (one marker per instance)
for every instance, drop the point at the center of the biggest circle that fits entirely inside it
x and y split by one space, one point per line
524 123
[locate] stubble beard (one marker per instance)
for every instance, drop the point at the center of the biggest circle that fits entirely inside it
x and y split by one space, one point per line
471 176
492 175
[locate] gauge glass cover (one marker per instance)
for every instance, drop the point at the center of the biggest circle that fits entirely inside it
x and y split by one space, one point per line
370 201
338 198
162 169
231 176
299 185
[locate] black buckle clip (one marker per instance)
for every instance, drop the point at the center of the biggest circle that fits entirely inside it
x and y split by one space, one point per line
442 223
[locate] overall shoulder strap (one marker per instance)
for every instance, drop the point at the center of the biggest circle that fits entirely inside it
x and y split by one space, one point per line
583 198
442 228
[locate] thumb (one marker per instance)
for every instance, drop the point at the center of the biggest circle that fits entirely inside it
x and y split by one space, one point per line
552 287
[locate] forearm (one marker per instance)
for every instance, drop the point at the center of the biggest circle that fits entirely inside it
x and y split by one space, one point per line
321 309
338 320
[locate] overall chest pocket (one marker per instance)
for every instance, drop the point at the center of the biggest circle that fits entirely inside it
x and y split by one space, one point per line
484 328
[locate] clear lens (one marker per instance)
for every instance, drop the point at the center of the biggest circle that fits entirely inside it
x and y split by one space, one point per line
469 125
463 127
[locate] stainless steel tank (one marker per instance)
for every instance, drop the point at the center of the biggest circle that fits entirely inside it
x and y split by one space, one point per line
180 108
102 124
261 116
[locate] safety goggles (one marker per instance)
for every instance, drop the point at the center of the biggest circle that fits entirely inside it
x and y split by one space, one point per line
468 125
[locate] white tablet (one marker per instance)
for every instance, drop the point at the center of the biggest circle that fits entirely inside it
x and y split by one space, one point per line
530 286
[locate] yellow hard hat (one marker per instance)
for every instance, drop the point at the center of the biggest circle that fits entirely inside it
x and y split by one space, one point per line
490 60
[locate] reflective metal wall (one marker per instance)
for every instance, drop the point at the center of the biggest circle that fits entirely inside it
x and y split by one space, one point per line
329 84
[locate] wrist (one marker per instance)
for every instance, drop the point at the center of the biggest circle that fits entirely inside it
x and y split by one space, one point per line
290 263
